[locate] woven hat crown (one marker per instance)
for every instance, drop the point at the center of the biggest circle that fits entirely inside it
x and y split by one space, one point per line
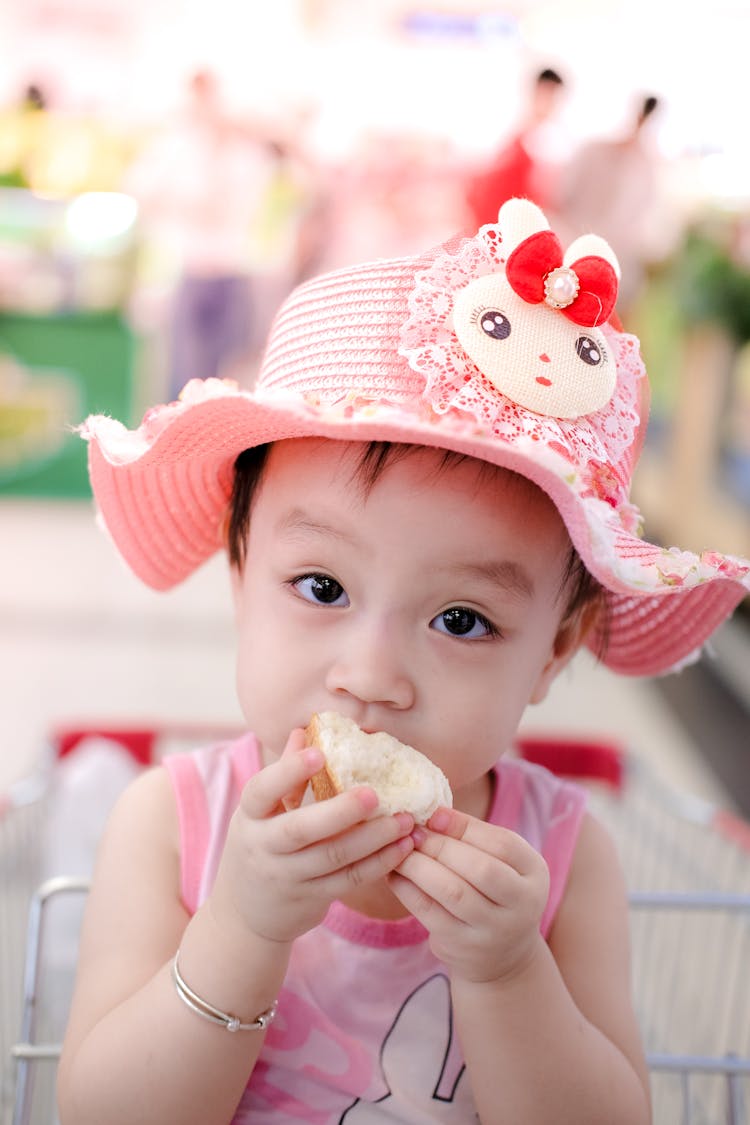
358 335
340 333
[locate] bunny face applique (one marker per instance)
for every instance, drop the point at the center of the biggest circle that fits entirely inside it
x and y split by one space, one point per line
532 329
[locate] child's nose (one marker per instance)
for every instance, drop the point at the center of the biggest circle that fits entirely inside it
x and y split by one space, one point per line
372 669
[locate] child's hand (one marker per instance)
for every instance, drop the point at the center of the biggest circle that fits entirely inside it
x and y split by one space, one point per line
283 864
479 889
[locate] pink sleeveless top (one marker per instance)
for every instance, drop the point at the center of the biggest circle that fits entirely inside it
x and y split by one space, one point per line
364 1027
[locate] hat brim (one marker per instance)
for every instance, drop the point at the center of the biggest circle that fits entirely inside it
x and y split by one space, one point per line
163 493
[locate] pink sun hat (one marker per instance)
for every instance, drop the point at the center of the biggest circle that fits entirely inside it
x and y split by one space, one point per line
497 346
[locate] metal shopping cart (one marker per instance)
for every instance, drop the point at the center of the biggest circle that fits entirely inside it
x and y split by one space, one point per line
687 864
43 884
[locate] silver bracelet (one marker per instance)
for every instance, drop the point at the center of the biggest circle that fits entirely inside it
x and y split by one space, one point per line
202 1008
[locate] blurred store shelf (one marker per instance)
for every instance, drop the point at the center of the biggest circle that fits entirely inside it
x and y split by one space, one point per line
82 641
712 699
731 652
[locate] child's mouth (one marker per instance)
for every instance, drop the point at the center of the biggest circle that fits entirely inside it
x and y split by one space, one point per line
544 380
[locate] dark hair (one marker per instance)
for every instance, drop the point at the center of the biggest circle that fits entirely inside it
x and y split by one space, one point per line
248 471
33 97
578 586
550 75
648 105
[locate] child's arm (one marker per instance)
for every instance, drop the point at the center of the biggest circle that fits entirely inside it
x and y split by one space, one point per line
547 1030
133 1050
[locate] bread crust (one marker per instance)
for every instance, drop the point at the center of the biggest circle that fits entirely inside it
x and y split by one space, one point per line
322 783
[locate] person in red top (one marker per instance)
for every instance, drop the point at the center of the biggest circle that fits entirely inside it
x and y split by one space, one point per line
516 170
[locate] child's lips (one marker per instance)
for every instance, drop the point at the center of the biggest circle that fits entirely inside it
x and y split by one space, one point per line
544 380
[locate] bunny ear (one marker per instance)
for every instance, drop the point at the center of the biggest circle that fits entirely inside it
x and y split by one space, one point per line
519 218
591 245
417 1045
414 1056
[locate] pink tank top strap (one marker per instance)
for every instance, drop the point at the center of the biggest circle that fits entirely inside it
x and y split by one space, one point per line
207 785
547 811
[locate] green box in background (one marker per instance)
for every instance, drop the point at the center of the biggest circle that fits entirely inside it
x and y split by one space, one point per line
56 369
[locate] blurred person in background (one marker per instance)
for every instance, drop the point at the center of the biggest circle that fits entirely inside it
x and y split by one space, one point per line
526 165
397 192
22 133
203 187
612 186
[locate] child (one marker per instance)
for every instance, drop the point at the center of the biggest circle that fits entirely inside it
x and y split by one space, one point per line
425 505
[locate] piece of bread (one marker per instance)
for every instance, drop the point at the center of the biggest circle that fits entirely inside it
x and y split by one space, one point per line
404 779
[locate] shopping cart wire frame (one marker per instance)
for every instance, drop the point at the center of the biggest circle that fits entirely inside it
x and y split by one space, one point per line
734 1071
28 1051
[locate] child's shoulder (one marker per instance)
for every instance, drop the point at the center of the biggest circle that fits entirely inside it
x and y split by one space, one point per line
142 829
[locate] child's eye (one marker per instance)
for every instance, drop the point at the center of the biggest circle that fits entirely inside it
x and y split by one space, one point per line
321 588
458 621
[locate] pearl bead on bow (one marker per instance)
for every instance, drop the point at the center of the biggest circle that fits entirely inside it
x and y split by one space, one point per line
561 287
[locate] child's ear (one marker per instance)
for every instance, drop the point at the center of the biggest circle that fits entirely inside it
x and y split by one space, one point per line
573 630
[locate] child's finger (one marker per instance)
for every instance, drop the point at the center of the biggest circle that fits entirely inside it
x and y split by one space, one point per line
293 800
322 821
369 870
265 793
348 849
425 909
490 874
451 825
456 893
297 741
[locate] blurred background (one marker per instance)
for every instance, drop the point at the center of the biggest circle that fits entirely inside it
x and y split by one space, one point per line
170 168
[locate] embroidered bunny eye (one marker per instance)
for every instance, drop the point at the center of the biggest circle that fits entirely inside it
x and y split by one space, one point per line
494 324
589 351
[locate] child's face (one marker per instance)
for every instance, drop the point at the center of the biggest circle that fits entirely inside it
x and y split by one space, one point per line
428 607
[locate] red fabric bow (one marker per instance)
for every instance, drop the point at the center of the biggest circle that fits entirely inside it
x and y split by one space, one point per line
539 254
